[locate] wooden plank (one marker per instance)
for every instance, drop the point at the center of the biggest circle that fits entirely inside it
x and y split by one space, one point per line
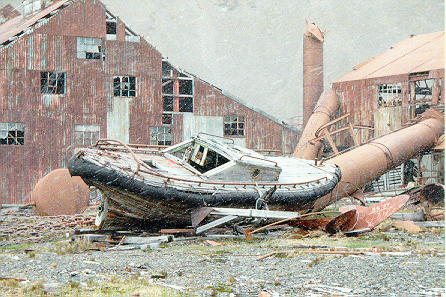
330 140
215 223
254 213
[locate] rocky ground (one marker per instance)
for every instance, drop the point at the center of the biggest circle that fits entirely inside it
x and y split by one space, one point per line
43 256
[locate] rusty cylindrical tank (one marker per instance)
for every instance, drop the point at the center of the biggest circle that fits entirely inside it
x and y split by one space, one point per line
313 78
59 193
323 113
369 161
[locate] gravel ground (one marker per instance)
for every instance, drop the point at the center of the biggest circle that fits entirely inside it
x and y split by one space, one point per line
391 263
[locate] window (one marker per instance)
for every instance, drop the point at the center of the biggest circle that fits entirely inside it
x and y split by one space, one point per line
85 135
178 90
12 133
131 36
52 82
421 95
389 94
88 48
124 86
161 135
234 125
110 26
31 7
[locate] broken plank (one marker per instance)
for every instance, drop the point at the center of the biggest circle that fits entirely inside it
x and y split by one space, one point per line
255 213
146 240
215 223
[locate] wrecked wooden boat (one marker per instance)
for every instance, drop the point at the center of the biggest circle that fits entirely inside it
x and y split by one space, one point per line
144 187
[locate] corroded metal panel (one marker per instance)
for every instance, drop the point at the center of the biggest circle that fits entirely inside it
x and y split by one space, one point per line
192 125
388 119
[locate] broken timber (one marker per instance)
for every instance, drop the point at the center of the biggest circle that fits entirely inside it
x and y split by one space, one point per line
230 214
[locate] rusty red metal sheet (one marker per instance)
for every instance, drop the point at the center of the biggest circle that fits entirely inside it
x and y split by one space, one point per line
370 217
58 193
312 224
344 222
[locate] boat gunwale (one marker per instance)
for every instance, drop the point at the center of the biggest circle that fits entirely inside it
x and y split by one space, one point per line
199 182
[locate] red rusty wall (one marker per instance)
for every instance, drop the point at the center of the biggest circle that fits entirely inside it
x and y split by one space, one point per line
50 119
261 132
89 13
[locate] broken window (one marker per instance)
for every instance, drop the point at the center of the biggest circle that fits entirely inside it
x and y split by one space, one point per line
178 90
89 48
52 82
160 135
389 95
234 126
111 28
85 135
167 69
185 104
124 86
31 7
421 95
131 36
12 133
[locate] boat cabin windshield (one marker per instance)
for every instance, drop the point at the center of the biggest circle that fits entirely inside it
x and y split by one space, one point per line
199 155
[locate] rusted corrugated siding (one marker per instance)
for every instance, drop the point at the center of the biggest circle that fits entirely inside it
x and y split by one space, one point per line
261 132
82 18
50 119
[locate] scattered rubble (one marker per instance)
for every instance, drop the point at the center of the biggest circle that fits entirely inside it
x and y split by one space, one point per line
284 259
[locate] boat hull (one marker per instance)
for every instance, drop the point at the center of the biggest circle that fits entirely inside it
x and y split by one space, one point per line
135 201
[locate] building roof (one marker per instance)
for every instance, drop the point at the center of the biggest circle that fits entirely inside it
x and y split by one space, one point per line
19 25
416 54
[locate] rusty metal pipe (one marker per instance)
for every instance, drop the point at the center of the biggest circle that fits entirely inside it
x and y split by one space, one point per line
313 78
371 160
323 113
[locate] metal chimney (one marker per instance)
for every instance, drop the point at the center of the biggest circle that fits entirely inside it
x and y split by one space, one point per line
313 78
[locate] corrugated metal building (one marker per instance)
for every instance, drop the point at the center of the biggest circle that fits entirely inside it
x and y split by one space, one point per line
386 91
72 72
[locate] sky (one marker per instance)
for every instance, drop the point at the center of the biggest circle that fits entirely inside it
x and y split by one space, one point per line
253 48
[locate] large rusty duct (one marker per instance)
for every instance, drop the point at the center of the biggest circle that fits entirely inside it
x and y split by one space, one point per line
323 113
313 78
371 160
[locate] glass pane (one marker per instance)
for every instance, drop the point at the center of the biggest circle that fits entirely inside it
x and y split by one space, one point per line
168 103
185 105
111 27
185 87
167 86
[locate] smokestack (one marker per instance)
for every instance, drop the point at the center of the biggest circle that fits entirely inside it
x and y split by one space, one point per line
313 78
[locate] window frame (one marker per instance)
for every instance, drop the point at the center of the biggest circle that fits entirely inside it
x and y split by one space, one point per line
110 20
385 97
165 131
89 130
57 83
89 48
125 81
240 126
177 90
6 128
